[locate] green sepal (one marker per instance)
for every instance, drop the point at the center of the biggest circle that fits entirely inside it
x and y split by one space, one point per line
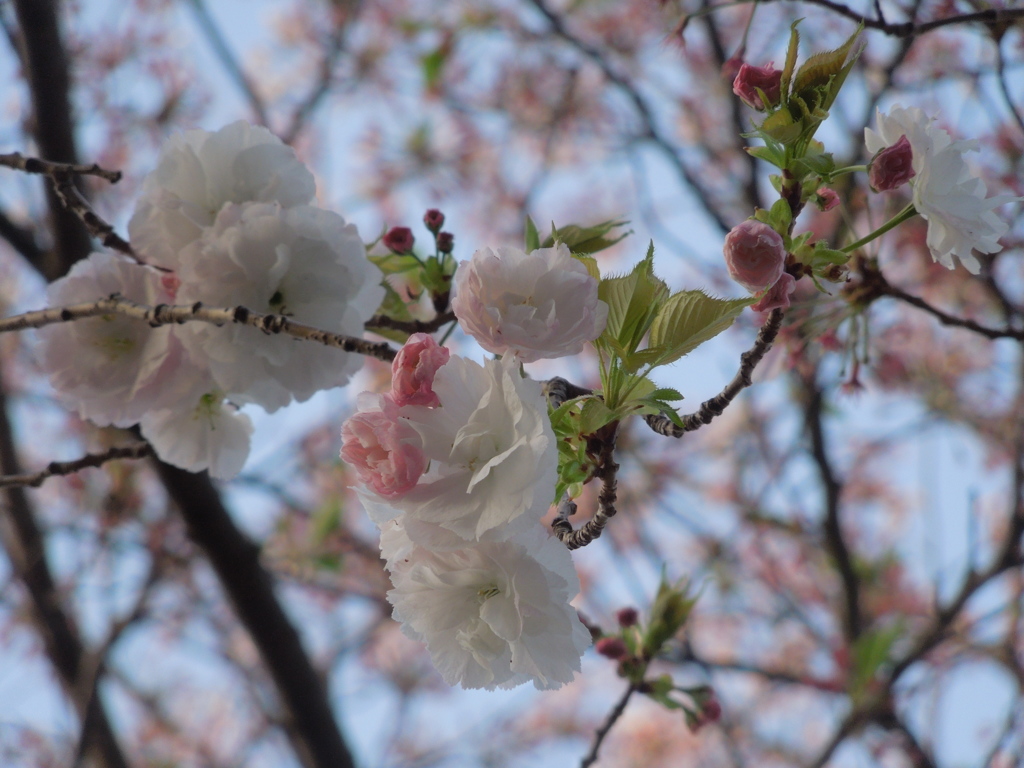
531 237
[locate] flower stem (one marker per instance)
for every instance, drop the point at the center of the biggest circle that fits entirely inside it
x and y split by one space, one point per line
895 221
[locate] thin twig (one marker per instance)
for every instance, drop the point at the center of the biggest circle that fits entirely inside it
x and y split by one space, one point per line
409 326
166 314
606 471
709 409
558 390
47 168
991 17
62 176
606 726
55 468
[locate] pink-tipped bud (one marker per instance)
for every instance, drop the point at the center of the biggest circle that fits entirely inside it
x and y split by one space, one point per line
892 167
434 220
611 647
399 239
413 369
445 242
754 254
826 199
777 296
749 79
627 617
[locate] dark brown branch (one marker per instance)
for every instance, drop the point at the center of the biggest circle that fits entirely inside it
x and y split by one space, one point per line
709 409
45 63
606 726
606 471
875 285
558 390
22 239
993 17
69 467
23 542
310 723
834 539
63 176
409 326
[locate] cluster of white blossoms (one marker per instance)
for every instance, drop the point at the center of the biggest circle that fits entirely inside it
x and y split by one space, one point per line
960 218
225 219
457 464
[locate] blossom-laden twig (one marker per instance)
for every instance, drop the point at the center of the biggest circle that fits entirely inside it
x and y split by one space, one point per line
600 733
55 468
62 175
606 472
165 314
709 409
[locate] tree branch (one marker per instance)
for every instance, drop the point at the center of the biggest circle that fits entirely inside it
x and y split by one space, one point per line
606 471
606 726
409 326
55 468
709 409
310 722
23 542
167 314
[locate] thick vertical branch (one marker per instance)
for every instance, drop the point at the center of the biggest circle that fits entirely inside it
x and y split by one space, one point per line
23 542
834 540
311 724
46 66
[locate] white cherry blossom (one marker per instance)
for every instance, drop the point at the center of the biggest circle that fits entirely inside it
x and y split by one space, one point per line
198 172
533 305
113 369
960 218
302 262
492 454
495 614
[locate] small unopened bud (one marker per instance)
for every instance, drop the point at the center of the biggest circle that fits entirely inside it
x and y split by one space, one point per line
627 617
892 167
612 647
399 239
445 242
826 199
434 220
749 79
754 254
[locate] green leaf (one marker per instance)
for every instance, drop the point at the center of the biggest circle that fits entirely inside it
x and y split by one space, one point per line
689 318
780 216
791 52
769 155
666 393
531 237
870 651
433 65
781 126
595 414
590 263
826 70
632 302
586 240
393 263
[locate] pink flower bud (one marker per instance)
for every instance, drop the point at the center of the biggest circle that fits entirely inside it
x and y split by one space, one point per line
386 452
891 168
777 296
412 372
754 254
627 617
399 239
826 198
434 220
445 242
749 79
611 647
